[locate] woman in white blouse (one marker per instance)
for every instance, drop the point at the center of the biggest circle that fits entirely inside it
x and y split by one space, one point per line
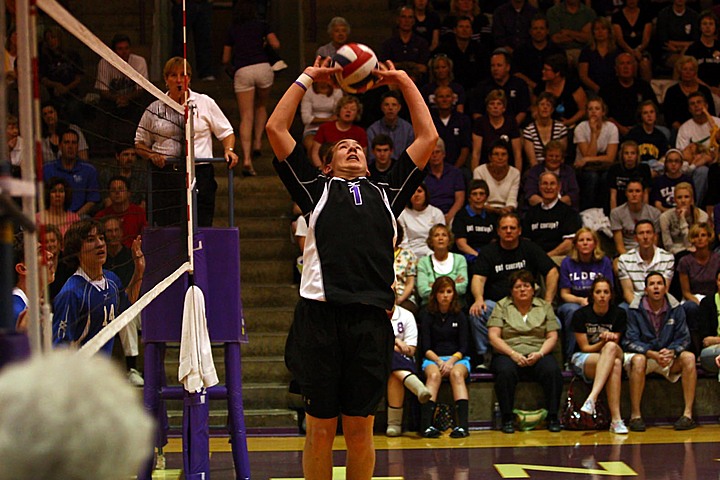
317 107
417 219
597 145
503 180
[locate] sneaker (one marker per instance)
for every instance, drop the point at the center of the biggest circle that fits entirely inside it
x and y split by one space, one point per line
508 427
618 426
459 432
588 407
279 66
135 379
637 424
393 431
484 364
685 423
553 425
431 432
424 395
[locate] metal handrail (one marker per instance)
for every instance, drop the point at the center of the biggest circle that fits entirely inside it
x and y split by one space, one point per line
231 190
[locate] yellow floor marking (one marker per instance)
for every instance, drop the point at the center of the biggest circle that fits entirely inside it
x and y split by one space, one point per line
480 439
339 473
166 474
517 470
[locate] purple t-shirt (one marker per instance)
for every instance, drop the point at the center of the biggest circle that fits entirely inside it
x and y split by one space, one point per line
663 189
442 190
578 276
247 41
702 277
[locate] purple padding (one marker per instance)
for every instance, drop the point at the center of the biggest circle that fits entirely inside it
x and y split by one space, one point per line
217 273
196 437
13 348
236 416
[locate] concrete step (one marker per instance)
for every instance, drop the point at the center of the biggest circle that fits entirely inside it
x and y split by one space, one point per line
258 227
255 206
254 369
268 249
265 370
269 295
254 418
255 396
268 183
264 344
266 271
264 227
268 319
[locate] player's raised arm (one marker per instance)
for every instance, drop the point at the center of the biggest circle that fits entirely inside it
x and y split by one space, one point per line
279 123
426 135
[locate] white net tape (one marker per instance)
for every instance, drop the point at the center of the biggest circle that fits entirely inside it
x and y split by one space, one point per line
106 334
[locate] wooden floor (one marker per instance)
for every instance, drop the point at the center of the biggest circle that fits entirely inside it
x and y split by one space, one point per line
659 453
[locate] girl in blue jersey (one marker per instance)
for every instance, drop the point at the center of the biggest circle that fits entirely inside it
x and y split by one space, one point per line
92 297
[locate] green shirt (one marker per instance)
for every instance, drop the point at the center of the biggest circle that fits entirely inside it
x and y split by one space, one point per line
560 19
524 335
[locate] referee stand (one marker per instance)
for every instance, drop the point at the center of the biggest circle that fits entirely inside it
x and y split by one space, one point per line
217 274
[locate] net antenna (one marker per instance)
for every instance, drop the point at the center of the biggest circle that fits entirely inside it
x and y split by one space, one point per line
58 13
29 121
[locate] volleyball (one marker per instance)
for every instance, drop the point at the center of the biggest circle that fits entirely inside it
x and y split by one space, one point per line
357 62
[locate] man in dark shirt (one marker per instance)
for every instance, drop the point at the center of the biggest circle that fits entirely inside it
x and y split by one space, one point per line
346 285
511 24
516 90
551 224
409 51
469 57
491 273
474 226
382 148
454 128
530 57
623 95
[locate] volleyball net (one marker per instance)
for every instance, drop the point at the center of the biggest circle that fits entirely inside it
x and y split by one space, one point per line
111 108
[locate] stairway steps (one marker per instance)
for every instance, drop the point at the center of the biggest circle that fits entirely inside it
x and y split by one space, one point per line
267 271
254 418
268 248
255 396
254 369
264 344
268 319
269 295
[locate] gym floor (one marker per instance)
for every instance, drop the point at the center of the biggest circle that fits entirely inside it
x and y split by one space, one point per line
658 453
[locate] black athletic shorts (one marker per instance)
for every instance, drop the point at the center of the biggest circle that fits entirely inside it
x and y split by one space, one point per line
340 355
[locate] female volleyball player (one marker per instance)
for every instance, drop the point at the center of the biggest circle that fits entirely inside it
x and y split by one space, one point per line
340 344
92 297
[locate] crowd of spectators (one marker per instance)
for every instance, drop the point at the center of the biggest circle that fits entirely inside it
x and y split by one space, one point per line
544 112
578 142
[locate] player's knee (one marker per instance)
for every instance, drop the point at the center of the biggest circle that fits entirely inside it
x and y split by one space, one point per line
637 363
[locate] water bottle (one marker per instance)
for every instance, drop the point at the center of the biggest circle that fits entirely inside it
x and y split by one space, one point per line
496 417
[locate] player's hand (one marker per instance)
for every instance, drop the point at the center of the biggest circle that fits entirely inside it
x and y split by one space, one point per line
21 325
138 255
387 74
322 71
